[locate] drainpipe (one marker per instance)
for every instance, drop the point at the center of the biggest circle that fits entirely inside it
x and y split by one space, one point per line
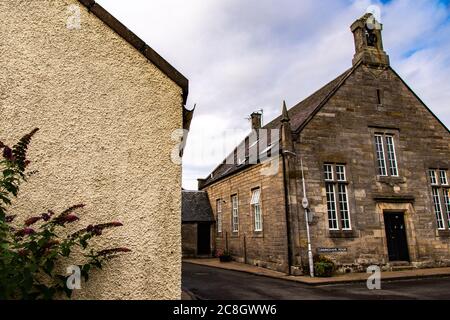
226 242
305 204
286 209
245 249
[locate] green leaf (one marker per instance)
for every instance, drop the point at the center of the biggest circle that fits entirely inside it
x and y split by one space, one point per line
49 265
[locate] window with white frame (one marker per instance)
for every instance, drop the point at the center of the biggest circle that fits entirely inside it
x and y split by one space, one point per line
443 177
235 213
337 197
441 197
328 171
386 155
256 208
219 215
433 178
447 204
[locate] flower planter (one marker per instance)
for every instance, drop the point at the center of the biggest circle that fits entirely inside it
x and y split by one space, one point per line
323 269
225 258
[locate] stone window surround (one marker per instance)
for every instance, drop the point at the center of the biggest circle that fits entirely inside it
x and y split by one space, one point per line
434 184
219 229
234 232
340 232
375 128
257 234
384 133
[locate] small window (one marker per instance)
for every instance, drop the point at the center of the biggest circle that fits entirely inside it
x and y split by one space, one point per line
256 207
235 213
328 170
340 173
219 215
443 177
433 179
379 96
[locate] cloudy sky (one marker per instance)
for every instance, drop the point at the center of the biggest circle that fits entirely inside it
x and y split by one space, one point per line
245 55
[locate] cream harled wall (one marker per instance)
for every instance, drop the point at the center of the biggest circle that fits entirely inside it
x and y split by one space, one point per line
106 116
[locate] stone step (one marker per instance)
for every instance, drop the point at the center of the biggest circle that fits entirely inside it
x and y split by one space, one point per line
402 268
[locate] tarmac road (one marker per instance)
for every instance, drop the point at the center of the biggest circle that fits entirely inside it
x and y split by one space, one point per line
208 283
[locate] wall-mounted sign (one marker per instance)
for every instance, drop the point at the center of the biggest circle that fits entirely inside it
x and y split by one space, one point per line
331 250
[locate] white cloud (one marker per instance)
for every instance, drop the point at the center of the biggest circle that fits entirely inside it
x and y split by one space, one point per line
241 56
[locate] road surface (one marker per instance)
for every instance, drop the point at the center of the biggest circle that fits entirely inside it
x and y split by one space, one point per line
208 283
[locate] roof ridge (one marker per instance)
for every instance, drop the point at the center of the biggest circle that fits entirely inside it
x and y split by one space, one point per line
342 78
343 75
297 109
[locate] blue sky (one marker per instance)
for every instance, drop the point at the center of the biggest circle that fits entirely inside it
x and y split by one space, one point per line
242 56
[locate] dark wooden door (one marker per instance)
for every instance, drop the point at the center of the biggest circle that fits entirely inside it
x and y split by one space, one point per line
396 236
203 239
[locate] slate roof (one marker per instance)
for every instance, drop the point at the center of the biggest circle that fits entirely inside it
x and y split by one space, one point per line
196 207
299 116
301 113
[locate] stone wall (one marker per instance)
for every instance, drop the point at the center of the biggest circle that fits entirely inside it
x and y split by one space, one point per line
268 248
342 132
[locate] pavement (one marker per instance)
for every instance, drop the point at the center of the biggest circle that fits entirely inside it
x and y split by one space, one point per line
187 295
344 278
212 283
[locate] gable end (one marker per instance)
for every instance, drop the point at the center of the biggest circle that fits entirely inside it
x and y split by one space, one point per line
419 99
138 44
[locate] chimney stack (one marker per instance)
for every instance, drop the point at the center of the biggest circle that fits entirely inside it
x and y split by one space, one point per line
256 118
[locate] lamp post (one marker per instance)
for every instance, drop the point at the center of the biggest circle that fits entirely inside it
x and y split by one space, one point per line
305 204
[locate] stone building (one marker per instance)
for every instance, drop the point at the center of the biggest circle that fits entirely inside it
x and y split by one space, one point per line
197 224
107 106
375 164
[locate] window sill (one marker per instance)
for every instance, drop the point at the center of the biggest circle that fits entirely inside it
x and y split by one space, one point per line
345 234
258 234
390 179
444 233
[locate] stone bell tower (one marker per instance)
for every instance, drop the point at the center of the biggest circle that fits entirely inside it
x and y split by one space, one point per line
369 42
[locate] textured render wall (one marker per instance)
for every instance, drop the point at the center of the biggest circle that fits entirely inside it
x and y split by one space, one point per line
106 116
269 248
341 133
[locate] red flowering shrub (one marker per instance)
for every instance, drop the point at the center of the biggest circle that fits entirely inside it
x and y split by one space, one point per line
30 252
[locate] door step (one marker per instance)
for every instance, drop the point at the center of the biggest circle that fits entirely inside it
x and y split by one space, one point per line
401 266
399 263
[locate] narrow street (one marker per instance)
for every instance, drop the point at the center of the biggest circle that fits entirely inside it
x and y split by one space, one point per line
208 283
